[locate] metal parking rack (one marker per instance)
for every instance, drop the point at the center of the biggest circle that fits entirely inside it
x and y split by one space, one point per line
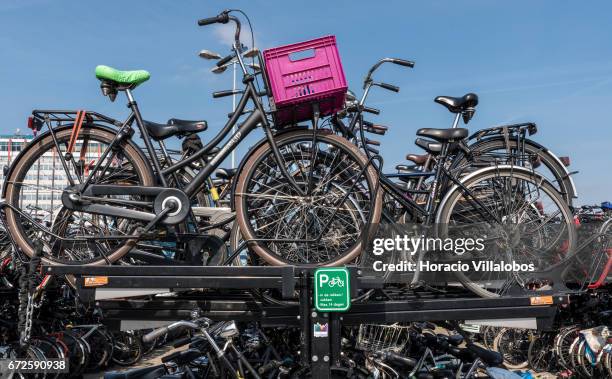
220 293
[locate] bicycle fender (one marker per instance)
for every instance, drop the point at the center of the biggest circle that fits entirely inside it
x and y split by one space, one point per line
486 170
566 172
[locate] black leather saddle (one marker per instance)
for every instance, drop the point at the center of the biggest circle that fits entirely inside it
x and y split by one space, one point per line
174 127
443 135
458 104
430 146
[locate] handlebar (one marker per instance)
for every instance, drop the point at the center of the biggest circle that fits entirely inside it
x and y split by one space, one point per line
225 60
402 62
225 93
151 336
389 87
223 18
398 359
371 110
398 61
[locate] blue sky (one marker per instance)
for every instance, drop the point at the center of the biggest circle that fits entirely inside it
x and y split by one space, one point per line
544 61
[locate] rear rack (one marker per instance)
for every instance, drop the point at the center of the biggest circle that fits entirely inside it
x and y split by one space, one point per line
530 127
68 116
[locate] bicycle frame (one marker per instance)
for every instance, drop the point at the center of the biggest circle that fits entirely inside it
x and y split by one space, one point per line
256 118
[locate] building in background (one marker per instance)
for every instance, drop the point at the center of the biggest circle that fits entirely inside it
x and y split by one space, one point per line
46 179
10 146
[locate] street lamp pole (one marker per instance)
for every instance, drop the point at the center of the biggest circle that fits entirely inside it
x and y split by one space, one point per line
233 110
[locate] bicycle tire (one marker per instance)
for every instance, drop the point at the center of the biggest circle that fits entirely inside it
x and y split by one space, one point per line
562 344
29 156
453 199
242 192
540 355
584 367
547 159
500 346
127 349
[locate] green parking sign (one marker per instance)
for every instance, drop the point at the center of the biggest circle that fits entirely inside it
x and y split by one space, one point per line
332 289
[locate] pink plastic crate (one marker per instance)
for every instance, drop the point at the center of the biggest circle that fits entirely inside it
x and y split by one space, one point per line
302 74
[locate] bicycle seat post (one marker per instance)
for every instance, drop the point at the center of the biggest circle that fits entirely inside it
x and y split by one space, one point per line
456 122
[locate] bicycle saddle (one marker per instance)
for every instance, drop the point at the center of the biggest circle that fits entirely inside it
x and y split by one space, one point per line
430 146
174 127
132 78
405 169
491 358
417 159
458 104
443 135
226 173
151 372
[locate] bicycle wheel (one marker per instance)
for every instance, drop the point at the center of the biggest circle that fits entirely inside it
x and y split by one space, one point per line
324 227
606 362
488 336
50 349
513 345
540 355
586 361
520 218
496 151
562 345
573 353
76 352
127 348
100 344
38 181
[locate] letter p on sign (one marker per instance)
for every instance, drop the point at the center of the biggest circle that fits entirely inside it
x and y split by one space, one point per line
323 278
329 295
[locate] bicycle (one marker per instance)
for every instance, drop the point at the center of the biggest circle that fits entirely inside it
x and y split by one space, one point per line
111 199
500 196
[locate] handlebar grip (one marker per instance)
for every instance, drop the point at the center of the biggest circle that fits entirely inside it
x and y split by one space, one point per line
169 357
222 18
389 87
403 62
268 366
208 21
399 359
371 110
225 60
181 342
228 92
151 336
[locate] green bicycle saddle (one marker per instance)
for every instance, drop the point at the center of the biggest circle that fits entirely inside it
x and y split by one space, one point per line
122 77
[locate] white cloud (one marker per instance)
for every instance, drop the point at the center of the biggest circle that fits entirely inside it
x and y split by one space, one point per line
225 34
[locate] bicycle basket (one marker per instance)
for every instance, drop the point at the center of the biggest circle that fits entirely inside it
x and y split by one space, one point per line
303 74
374 337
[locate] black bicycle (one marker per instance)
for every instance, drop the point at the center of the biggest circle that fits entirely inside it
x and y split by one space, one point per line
521 215
302 195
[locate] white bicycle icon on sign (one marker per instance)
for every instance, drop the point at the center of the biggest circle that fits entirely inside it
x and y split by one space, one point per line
336 282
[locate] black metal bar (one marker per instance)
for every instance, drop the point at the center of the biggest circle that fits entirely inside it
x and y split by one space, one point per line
240 305
169 271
